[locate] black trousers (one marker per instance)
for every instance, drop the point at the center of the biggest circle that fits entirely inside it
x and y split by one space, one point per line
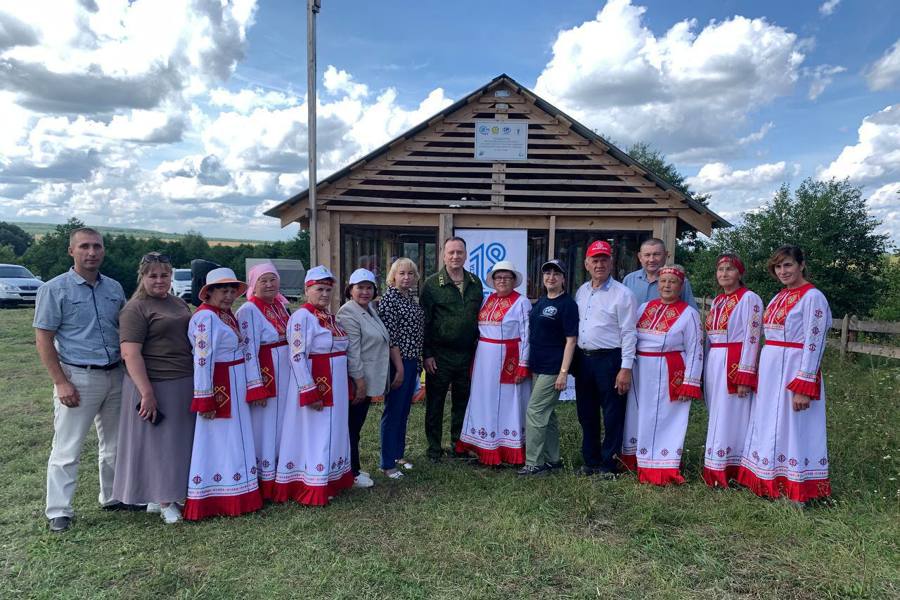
451 375
595 394
356 418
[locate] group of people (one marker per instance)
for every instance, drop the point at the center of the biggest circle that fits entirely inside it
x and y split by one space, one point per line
235 408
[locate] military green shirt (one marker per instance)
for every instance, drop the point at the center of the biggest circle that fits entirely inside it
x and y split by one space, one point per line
451 317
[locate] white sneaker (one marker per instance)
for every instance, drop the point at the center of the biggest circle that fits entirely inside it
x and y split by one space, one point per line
363 481
365 474
154 508
171 514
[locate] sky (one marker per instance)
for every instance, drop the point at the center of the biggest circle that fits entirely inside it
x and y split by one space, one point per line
175 115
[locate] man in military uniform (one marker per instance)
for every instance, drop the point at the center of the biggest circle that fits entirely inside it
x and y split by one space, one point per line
451 299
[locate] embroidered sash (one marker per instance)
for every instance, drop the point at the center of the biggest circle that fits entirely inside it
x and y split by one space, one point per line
510 367
220 401
732 360
322 378
675 366
267 367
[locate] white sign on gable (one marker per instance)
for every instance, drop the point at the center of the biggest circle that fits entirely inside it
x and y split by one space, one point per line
501 140
487 247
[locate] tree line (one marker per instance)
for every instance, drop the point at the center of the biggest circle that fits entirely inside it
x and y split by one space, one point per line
48 256
846 256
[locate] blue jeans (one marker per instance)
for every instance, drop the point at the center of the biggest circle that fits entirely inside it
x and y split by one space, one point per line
396 414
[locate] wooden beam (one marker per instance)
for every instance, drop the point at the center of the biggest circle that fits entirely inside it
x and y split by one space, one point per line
604 222
409 201
599 206
445 230
551 238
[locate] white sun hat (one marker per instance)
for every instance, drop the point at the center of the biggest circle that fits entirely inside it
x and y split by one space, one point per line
222 275
504 265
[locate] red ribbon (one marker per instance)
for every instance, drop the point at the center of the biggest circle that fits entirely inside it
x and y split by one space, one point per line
732 361
675 364
510 366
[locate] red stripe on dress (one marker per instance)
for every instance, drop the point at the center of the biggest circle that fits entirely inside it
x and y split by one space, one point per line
495 456
720 477
659 476
312 495
196 509
797 491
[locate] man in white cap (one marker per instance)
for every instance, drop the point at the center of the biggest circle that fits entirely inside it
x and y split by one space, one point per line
607 341
76 324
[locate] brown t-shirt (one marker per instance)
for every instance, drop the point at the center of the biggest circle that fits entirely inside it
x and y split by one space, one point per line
161 325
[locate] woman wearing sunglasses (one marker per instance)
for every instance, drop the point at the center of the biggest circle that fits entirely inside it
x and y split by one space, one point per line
156 426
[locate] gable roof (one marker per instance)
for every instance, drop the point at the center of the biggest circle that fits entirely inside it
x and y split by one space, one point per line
618 181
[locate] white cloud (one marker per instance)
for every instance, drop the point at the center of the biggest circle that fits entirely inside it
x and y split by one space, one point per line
340 82
687 91
821 76
884 204
875 158
885 72
737 191
828 7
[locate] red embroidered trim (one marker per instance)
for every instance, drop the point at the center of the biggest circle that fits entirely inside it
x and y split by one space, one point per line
720 478
312 495
807 388
659 476
326 320
722 307
783 303
691 391
745 378
495 456
798 491
229 506
275 313
495 308
660 317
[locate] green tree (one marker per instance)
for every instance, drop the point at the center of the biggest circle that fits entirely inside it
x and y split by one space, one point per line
49 256
829 221
8 255
15 237
888 306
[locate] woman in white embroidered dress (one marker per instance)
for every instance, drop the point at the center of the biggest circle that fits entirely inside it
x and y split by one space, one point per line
786 452
666 378
314 456
263 323
733 329
494 425
222 478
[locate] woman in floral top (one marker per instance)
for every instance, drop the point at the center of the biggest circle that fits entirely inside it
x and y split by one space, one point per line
405 322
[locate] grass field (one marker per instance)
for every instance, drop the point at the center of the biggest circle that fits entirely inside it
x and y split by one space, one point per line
462 531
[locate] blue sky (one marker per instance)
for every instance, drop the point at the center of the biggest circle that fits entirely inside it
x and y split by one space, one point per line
180 116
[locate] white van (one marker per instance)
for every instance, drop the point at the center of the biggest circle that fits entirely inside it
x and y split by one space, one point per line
181 284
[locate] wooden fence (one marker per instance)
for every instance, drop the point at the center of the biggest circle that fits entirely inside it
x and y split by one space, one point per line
849 328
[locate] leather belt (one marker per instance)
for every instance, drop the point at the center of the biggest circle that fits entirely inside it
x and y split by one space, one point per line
600 351
108 367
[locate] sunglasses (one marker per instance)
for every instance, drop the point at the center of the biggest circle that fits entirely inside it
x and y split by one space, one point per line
155 257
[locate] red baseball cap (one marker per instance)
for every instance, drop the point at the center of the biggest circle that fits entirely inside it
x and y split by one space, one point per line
598 247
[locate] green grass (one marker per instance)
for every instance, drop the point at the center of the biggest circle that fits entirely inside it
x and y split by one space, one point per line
462 531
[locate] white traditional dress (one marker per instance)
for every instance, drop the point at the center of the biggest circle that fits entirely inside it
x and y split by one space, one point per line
668 365
786 453
314 456
263 327
222 479
494 425
734 332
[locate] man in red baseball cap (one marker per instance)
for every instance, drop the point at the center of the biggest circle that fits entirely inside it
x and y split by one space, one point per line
607 339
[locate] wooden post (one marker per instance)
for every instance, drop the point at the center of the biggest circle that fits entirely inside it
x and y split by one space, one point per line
845 330
445 230
551 239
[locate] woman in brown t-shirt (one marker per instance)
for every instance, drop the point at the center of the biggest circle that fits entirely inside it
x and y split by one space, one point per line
156 427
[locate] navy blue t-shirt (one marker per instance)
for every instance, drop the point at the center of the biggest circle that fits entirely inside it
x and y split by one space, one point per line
550 323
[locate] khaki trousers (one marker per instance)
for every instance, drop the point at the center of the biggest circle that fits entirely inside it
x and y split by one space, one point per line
101 399
541 424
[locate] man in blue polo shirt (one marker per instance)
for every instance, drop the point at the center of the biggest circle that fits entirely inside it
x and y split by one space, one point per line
644 283
76 324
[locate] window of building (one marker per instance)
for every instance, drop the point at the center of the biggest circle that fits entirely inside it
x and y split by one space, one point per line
376 248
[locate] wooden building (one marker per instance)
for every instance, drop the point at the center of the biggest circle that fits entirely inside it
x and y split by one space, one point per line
407 196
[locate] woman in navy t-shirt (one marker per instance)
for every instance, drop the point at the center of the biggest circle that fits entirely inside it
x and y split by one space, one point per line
553 325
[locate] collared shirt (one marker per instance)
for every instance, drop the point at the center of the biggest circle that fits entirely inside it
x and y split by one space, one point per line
645 291
606 319
84 317
451 317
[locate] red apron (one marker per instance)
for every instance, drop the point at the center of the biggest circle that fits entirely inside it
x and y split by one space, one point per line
675 365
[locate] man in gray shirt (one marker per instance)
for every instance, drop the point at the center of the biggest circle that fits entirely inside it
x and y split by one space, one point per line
644 283
76 324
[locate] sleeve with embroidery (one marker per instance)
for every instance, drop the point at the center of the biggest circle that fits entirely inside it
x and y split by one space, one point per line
693 356
201 335
299 335
816 322
250 323
752 308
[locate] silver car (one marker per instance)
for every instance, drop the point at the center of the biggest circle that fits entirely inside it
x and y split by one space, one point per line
17 285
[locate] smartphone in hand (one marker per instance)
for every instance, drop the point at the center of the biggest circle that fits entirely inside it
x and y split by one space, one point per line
159 415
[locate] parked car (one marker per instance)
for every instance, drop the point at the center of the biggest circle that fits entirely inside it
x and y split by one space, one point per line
17 285
181 284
